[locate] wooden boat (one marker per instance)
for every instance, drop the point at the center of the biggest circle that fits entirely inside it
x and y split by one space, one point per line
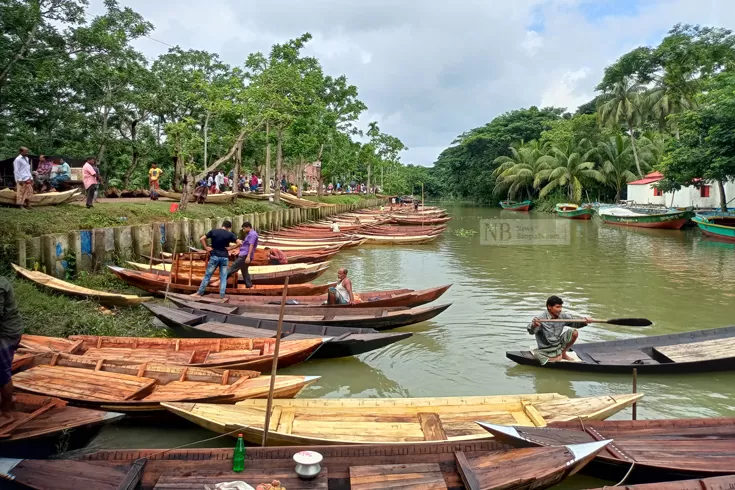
478 465
8 196
367 299
424 220
394 420
645 218
255 354
714 483
124 386
158 284
36 418
219 198
255 195
397 240
337 341
717 227
516 206
260 257
279 243
651 450
697 351
102 297
192 272
574 211
376 318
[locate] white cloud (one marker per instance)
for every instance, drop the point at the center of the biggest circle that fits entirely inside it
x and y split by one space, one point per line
429 71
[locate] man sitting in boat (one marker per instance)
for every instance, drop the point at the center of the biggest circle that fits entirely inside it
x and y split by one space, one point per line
276 256
553 341
342 293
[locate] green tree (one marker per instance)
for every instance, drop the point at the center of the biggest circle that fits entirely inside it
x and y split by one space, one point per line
520 171
569 169
617 162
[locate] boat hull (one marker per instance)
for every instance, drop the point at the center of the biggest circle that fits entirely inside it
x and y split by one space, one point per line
715 231
584 213
667 221
518 206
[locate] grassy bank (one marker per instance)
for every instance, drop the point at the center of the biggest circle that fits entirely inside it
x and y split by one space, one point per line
341 199
47 313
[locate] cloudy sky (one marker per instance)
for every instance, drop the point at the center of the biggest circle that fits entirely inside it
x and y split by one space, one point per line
430 70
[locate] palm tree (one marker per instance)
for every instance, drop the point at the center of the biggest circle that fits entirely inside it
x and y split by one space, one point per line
518 171
672 95
568 168
617 162
624 104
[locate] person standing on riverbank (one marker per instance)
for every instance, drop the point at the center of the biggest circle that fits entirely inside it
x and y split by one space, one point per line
11 329
89 177
154 175
247 251
219 254
553 341
23 178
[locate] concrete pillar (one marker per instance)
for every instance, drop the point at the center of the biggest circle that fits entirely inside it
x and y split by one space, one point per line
123 240
237 222
33 251
140 235
263 221
21 257
156 238
98 248
75 249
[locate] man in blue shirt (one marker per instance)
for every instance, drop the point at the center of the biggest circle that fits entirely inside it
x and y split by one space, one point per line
218 256
247 251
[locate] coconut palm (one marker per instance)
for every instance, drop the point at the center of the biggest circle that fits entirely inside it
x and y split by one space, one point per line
617 162
568 168
518 172
673 94
624 104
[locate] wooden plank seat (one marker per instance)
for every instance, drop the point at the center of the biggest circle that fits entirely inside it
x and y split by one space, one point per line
420 476
196 480
633 356
698 351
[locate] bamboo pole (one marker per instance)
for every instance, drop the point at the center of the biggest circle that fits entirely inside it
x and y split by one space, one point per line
150 260
635 390
275 363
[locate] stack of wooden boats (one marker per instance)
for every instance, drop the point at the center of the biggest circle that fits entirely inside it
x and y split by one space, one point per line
7 197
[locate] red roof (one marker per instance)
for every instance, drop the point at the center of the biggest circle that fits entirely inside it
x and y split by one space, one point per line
648 179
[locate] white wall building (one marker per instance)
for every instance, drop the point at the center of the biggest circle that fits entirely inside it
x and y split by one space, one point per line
708 196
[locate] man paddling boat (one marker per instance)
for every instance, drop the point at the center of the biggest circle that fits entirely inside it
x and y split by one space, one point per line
553 341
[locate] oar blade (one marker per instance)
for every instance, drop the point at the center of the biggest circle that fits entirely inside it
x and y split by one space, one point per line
631 322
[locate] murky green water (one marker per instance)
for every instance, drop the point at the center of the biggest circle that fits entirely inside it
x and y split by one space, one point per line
678 279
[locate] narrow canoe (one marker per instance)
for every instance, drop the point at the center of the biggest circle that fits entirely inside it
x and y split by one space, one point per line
260 257
366 299
123 386
220 198
396 240
43 417
649 450
644 218
476 466
574 211
394 420
718 228
255 354
714 483
102 297
337 341
428 220
159 284
516 206
8 196
688 352
376 318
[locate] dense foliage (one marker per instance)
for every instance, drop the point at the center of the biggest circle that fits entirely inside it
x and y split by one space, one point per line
669 107
73 85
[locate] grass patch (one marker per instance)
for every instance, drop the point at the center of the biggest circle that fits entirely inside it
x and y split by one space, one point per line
48 313
341 199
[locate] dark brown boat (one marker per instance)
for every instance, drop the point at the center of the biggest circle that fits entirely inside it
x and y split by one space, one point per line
157 284
652 450
192 272
475 466
337 341
124 386
376 318
36 419
714 483
369 299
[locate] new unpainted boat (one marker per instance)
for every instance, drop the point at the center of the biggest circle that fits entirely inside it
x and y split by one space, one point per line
646 218
397 240
255 354
574 211
642 450
717 227
102 297
376 318
192 272
158 284
516 206
696 351
124 386
337 341
394 420
436 466
8 196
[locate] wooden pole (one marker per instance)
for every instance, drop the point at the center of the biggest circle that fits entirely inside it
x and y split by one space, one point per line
150 263
275 362
635 390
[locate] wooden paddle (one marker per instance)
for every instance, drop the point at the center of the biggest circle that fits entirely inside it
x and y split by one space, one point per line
628 322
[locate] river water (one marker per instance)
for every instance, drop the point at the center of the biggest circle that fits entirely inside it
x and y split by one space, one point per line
678 279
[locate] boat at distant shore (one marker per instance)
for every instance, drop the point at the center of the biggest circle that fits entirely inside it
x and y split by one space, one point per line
718 227
516 206
646 218
574 211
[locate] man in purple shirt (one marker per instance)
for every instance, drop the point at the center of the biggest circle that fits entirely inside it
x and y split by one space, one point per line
247 251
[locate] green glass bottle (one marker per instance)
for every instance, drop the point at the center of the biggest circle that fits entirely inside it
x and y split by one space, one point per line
238 459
